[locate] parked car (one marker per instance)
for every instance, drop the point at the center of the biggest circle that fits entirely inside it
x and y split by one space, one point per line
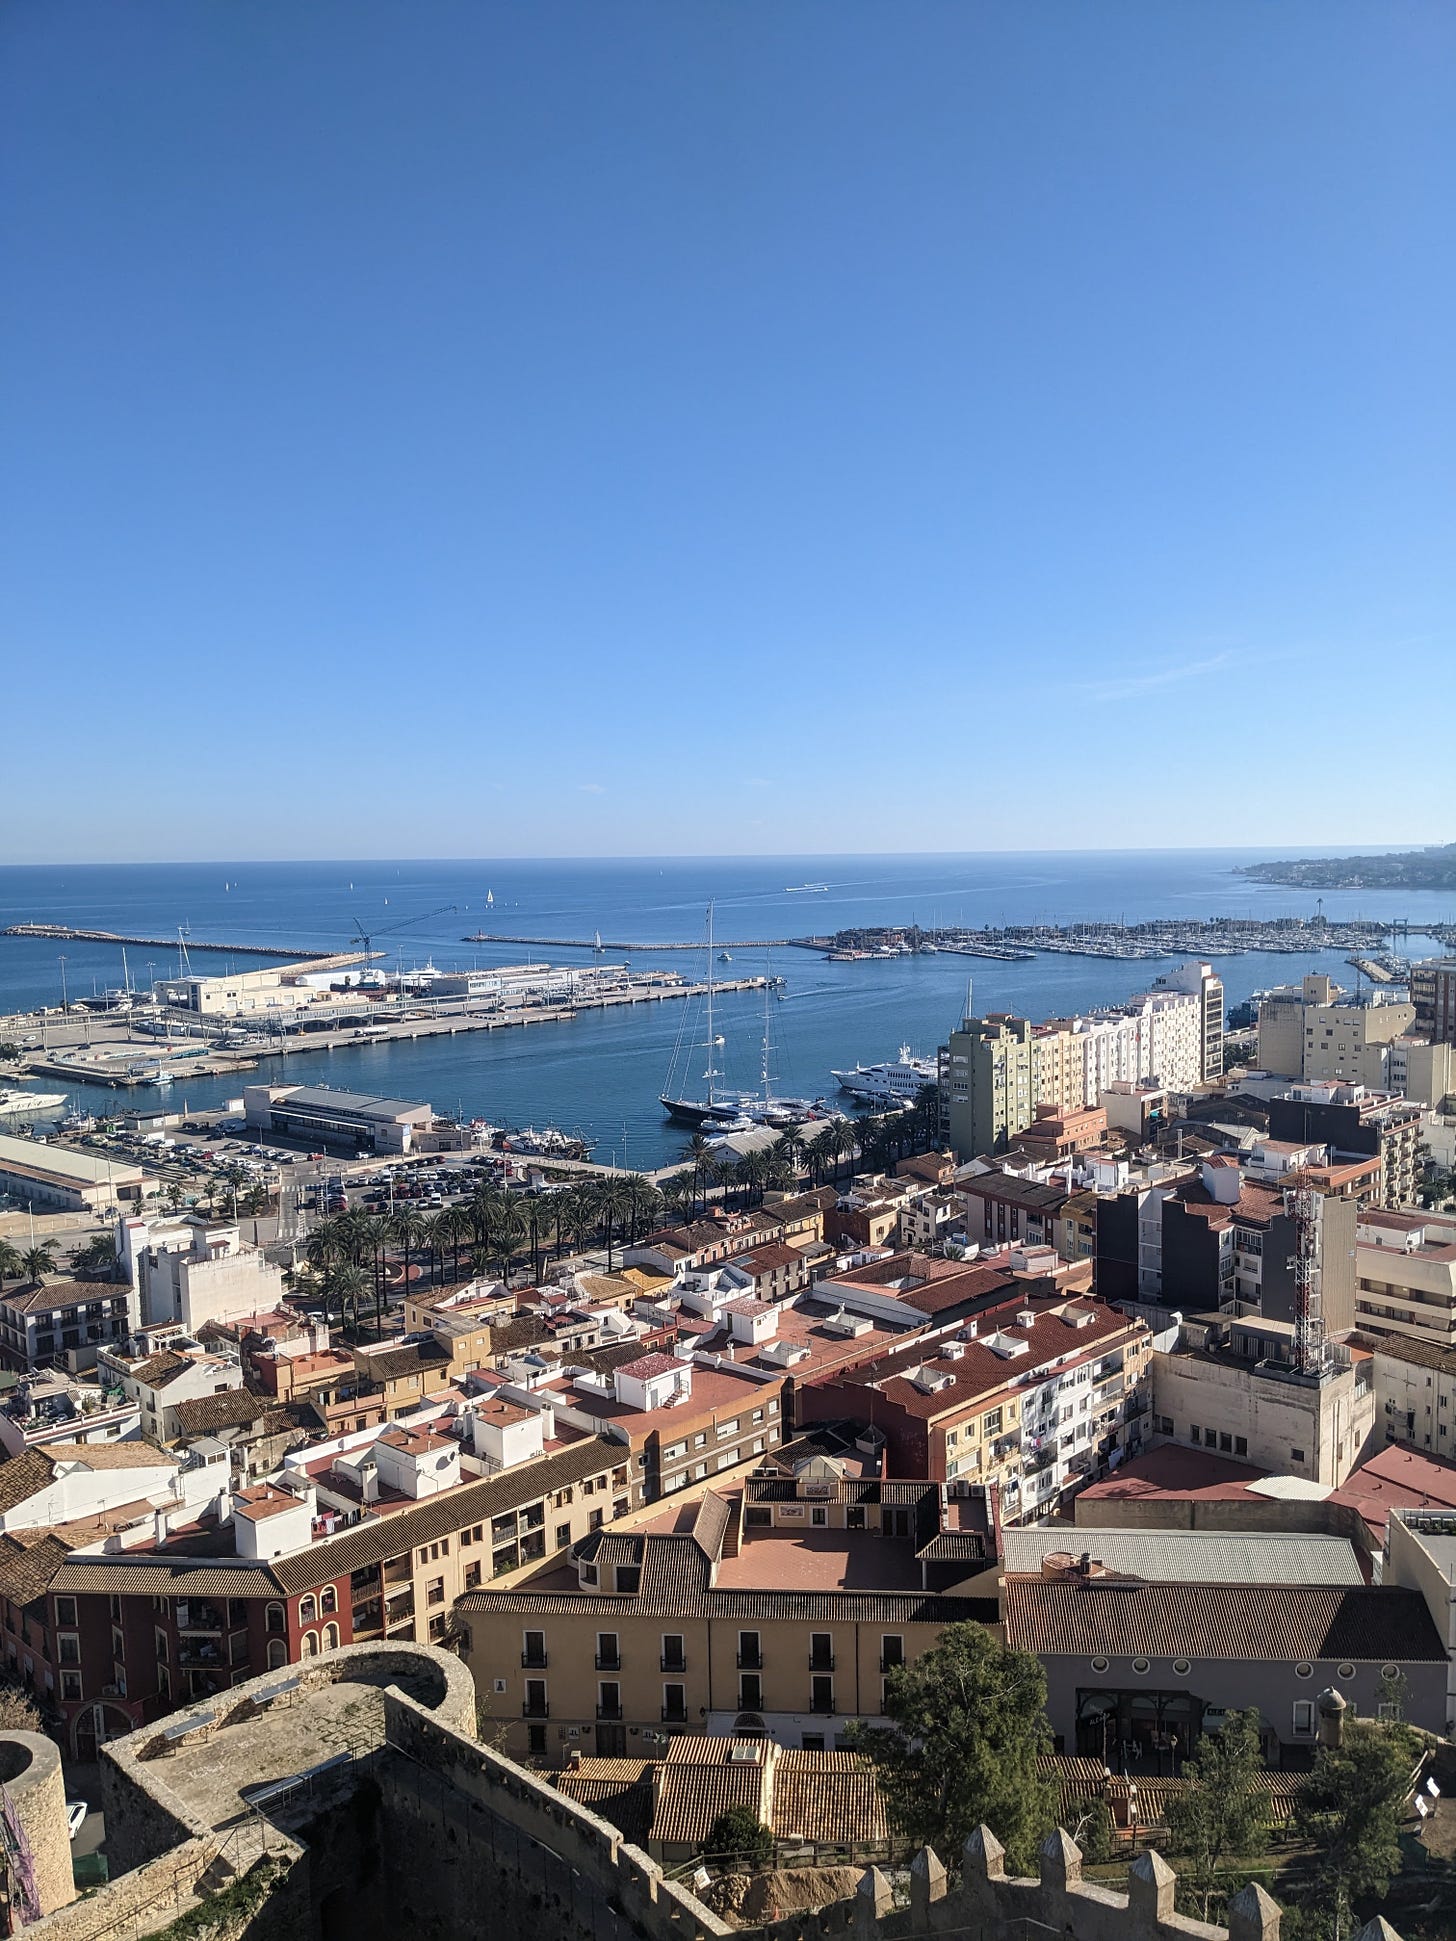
75 1815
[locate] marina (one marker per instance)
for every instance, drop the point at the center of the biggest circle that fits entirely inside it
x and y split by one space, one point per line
602 1071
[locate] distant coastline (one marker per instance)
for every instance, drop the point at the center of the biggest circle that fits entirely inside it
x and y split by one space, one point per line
1411 869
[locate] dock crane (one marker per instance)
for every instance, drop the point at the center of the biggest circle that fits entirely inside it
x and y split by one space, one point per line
365 938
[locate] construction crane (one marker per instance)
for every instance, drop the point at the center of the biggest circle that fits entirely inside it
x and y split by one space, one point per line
366 937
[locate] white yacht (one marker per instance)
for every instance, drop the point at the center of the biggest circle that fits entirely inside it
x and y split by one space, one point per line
14 1100
895 1082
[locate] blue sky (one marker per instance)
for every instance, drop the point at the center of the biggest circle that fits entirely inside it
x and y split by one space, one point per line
593 427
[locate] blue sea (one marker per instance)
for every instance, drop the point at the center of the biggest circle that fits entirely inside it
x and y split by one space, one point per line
601 1074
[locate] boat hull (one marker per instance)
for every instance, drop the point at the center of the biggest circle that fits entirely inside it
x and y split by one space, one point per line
696 1112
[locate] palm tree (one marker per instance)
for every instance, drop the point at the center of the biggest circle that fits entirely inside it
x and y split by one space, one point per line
12 1261
843 1143
406 1229
613 1206
790 1150
96 1260
36 1261
508 1230
173 1195
678 1195
755 1169
646 1207
458 1225
699 1151
722 1171
345 1283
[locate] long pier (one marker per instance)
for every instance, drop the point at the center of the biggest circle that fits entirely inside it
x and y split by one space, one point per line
590 943
68 934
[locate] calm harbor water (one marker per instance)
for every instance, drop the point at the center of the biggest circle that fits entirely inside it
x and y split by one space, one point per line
602 1073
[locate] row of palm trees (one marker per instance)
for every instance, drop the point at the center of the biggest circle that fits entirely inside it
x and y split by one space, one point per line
349 1255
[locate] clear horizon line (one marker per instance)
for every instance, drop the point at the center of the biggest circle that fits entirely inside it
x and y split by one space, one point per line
1283 852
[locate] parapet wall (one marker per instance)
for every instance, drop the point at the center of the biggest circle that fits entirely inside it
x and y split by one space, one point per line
990 1905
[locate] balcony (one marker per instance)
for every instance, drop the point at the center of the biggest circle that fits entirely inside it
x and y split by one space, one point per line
821 1661
534 1660
887 1665
199 1617
609 1661
674 1715
399 1607
673 1664
536 1708
825 1706
199 1657
610 1711
750 1661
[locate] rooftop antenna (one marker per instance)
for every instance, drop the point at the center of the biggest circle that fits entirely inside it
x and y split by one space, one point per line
1304 1210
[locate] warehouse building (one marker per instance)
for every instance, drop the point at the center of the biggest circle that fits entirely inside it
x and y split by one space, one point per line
33 1173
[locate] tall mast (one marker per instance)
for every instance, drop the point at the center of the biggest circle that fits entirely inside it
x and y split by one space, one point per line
710 1074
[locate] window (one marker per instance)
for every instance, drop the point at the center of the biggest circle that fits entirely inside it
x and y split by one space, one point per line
750 1655
535 1706
1303 1717
310 1644
66 1610
892 1653
675 1703
563 1535
609 1699
70 1684
674 1658
750 1692
1241 1445
68 1648
609 1656
1226 1442
277 1653
536 1740
331 1637
307 1609
328 1600
1296 1455
1193 1435
821 1694
821 1651
533 1648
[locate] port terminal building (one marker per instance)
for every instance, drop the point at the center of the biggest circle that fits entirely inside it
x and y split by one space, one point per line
339 1121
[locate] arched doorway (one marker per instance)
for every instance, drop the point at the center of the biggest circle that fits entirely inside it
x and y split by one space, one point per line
94 1725
748 1725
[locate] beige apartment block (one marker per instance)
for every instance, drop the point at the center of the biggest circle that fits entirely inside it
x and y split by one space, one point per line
1405 1268
1243 1403
778 1613
1415 1394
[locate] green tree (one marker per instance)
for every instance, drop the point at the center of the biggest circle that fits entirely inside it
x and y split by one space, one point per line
97 1259
1090 1825
347 1285
12 1261
1224 1814
740 1835
36 1261
1348 1812
968 1725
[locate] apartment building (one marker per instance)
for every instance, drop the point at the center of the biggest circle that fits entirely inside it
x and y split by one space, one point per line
1005 1209
190 1271
159 1384
744 1622
1405 1265
1233 1386
133 1634
62 1324
1420 1555
988 1083
1029 1400
1415 1393
1433 993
